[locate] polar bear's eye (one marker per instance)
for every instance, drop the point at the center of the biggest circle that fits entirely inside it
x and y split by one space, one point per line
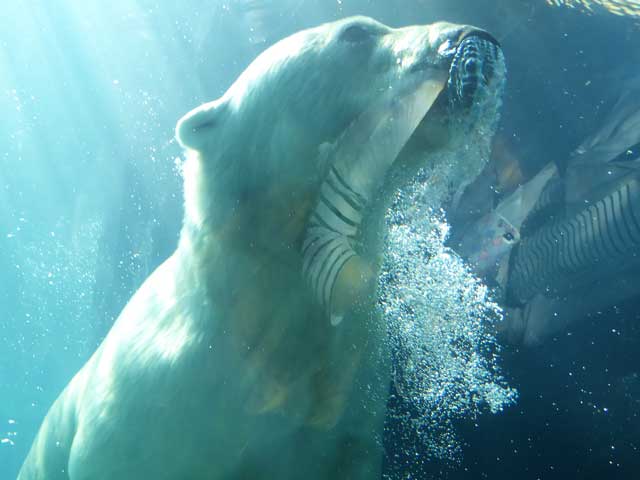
355 34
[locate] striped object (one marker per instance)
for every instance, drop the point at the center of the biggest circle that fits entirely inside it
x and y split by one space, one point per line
331 232
601 235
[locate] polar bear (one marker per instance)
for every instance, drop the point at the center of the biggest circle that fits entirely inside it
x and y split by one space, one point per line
254 351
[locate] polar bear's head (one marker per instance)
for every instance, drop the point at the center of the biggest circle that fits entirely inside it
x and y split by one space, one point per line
262 140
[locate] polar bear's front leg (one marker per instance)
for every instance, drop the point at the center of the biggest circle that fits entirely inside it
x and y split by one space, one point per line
359 161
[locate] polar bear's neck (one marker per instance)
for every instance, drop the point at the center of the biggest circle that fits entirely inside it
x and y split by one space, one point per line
216 234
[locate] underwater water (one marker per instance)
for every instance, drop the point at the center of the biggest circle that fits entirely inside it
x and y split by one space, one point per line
92 203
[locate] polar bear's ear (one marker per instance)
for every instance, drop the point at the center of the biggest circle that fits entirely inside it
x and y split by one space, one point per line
198 126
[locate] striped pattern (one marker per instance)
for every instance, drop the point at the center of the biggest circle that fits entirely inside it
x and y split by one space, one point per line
472 70
601 234
332 230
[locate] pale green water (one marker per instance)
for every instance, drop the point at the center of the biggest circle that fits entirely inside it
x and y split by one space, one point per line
90 203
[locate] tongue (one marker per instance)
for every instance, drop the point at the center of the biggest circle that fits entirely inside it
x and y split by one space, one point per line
359 161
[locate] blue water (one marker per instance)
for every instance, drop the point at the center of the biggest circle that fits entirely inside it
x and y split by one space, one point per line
90 201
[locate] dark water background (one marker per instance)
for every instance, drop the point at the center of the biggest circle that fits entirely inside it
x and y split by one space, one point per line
90 200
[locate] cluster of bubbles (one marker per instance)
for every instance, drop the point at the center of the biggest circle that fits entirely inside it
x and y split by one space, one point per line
440 317
61 277
440 320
